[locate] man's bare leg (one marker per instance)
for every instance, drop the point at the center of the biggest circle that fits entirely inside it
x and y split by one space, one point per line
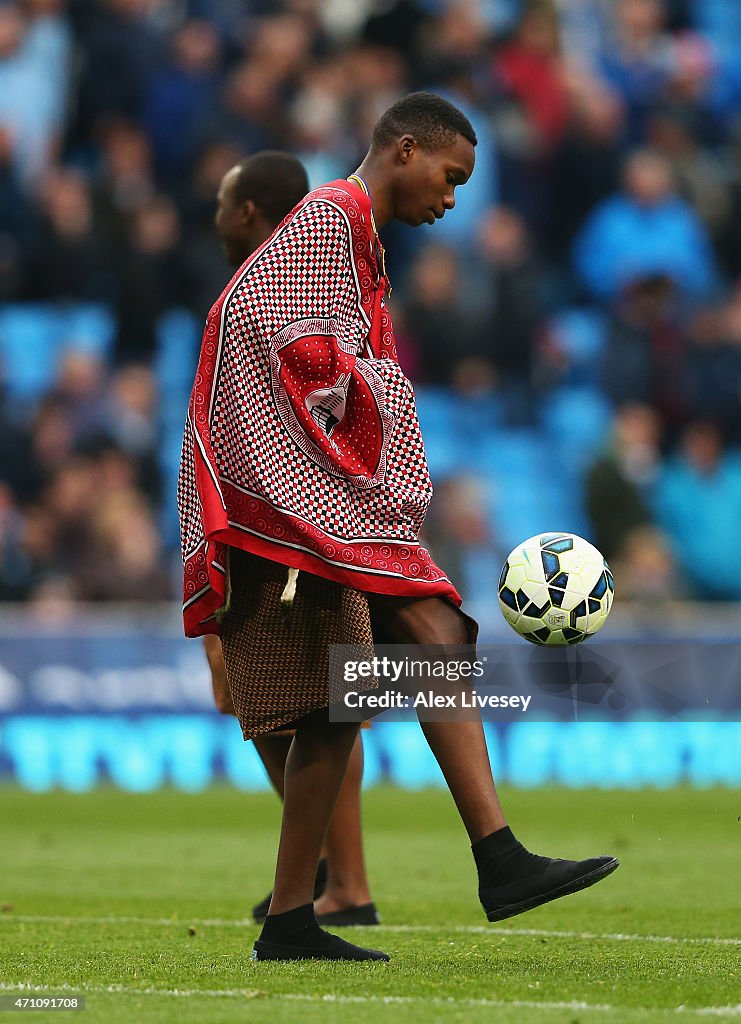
511 879
315 770
459 747
314 773
347 883
273 750
460 750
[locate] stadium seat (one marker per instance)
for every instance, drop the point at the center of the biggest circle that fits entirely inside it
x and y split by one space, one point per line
27 353
33 336
435 412
580 333
176 357
577 422
525 493
720 22
91 328
434 408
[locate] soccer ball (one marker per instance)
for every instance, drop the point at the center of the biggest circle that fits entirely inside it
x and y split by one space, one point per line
556 588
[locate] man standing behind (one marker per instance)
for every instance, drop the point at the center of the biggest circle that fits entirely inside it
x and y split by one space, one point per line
254 197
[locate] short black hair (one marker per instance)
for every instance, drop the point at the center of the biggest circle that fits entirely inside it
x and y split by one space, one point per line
433 121
273 180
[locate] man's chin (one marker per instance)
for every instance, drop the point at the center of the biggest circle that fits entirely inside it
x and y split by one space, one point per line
417 220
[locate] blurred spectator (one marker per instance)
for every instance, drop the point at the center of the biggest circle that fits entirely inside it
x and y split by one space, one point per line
698 505
92 533
401 25
122 49
618 485
714 367
251 114
639 61
646 229
35 70
132 424
125 562
68 260
585 166
15 567
248 116
180 95
508 330
645 359
648 572
14 443
151 278
690 91
16 220
528 67
700 175
373 78
69 499
441 332
79 393
125 181
586 27
49 445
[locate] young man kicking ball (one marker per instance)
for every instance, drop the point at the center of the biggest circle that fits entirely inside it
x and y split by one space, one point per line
304 460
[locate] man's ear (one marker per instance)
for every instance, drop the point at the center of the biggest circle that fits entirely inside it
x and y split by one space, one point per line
405 147
248 209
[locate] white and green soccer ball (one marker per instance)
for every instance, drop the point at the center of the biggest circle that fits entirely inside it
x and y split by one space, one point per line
556 588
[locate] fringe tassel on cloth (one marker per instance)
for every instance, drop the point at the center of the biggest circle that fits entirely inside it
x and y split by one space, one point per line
289 593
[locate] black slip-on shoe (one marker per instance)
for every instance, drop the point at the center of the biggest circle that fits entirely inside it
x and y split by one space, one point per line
363 915
335 949
558 878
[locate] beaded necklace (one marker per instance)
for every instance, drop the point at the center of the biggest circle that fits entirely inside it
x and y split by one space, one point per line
381 251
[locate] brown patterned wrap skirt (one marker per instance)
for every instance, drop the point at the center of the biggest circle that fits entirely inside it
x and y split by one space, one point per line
277 667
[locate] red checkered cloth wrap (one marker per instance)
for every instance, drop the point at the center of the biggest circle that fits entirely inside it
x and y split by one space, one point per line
302 443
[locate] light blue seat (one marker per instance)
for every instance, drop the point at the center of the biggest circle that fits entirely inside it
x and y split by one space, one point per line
434 409
175 361
720 21
581 335
577 422
473 417
33 336
528 489
90 327
28 334
178 343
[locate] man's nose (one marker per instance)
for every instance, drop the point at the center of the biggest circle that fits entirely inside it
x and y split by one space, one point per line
449 201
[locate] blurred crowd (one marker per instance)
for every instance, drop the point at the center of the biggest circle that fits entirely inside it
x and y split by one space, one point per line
595 254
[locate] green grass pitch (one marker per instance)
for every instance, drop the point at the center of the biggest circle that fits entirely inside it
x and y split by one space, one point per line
140 902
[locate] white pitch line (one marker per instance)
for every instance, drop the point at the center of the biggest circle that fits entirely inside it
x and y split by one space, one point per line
302 997
714 1011
461 929
252 993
